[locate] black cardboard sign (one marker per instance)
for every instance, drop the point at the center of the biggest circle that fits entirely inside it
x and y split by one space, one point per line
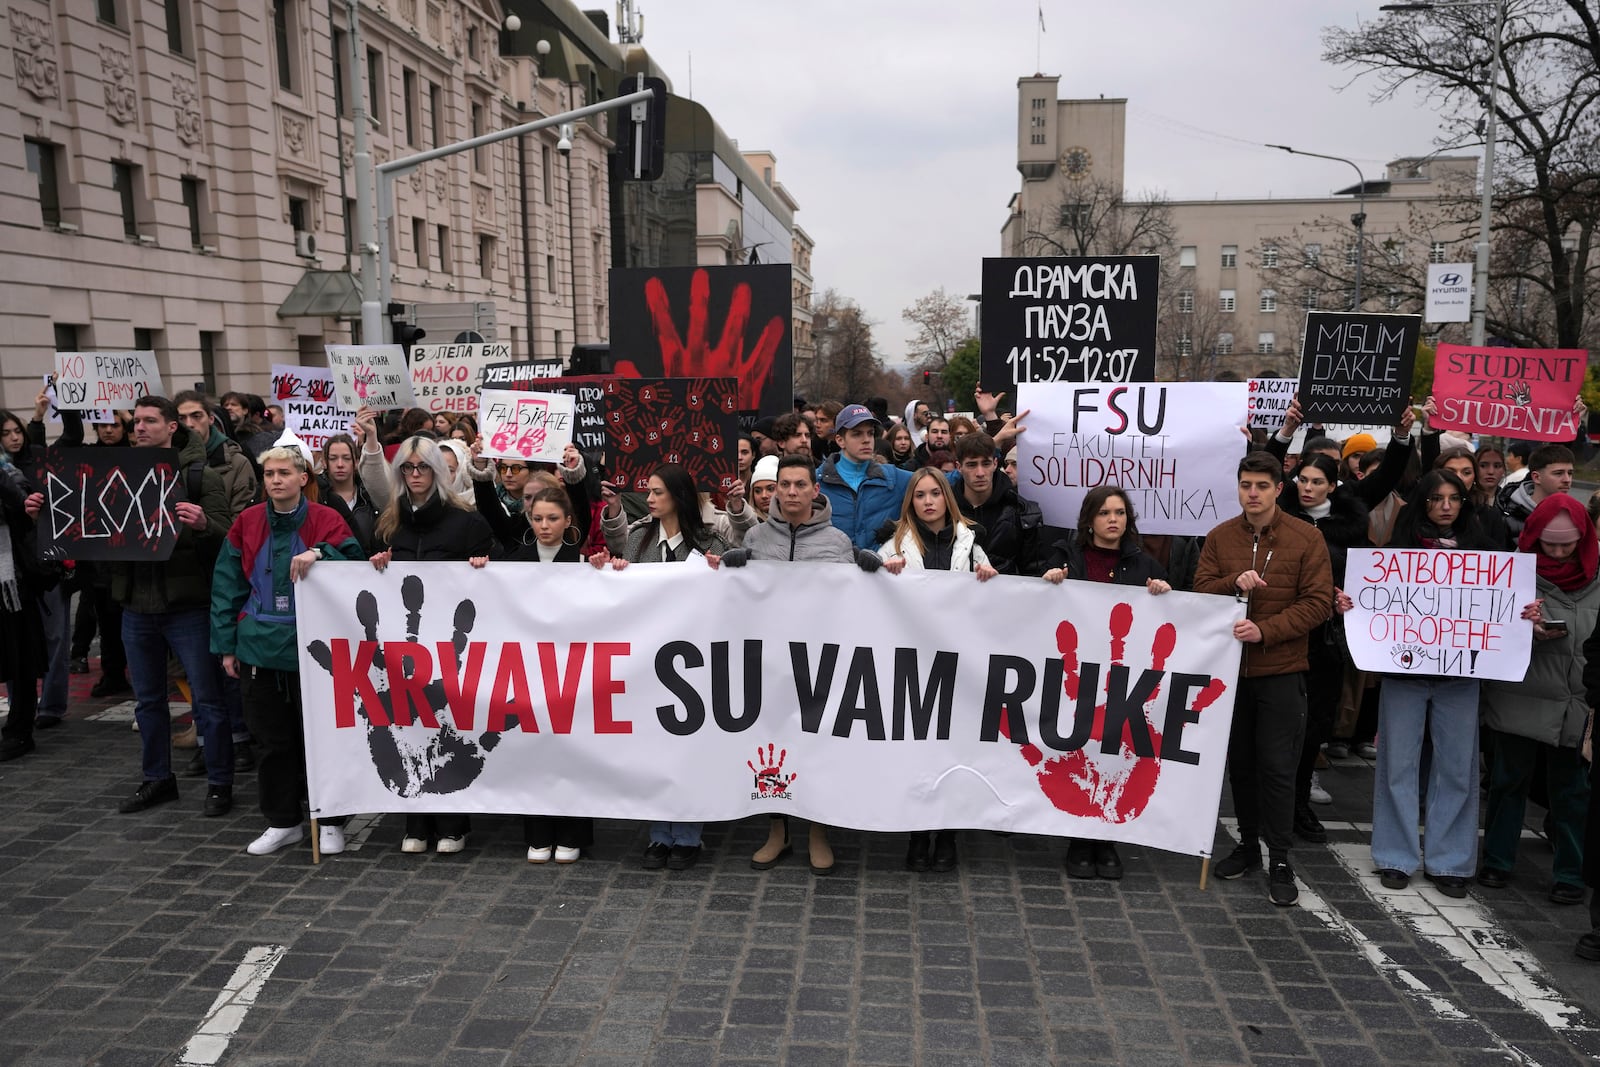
689 421
110 504
1356 367
1069 319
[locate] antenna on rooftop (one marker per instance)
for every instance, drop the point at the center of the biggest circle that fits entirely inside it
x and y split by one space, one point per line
630 23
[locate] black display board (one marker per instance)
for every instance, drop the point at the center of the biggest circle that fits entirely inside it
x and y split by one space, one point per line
110 504
1069 319
693 422
1356 367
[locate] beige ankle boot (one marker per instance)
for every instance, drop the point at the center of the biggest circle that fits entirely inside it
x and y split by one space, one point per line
777 846
821 851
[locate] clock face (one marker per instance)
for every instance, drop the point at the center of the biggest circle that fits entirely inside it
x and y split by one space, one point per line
1076 161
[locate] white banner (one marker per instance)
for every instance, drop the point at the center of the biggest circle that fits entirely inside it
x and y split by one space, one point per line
90 380
1440 611
311 409
535 427
659 693
446 377
371 375
1449 293
1269 401
1174 447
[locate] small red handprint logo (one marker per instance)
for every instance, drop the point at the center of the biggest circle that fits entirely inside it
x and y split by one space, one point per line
771 783
1089 782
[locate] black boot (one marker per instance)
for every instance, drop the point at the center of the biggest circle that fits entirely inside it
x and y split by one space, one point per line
944 851
1308 827
1080 859
1107 864
917 852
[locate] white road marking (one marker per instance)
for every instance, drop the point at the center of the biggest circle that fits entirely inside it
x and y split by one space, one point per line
227 1012
123 712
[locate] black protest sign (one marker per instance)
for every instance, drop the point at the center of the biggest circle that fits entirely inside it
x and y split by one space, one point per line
505 375
110 504
1069 319
708 322
1356 367
587 392
693 422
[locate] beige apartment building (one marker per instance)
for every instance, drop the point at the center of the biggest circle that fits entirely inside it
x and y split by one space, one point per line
1237 275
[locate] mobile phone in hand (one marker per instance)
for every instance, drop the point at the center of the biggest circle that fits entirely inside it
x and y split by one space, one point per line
1555 626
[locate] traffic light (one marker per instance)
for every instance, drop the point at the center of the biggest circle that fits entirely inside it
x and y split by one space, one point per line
927 377
642 131
404 333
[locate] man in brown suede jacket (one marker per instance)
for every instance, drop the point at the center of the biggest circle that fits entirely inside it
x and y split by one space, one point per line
1278 568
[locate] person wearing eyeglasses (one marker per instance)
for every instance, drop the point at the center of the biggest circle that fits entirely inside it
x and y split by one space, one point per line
498 489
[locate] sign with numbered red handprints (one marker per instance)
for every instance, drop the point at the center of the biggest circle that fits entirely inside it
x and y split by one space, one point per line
709 322
533 427
1099 712
692 422
311 408
373 376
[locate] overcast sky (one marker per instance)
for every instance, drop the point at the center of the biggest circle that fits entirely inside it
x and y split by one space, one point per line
894 124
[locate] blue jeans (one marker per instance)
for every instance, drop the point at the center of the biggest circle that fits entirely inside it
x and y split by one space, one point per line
676 833
55 610
147 638
1448 709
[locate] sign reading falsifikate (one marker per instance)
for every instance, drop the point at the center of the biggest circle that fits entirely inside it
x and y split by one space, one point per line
1069 319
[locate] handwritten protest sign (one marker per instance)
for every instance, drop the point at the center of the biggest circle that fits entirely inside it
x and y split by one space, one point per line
52 415
1269 401
693 422
500 375
311 410
86 380
1510 392
371 375
1356 367
1440 611
1069 319
1171 446
535 427
587 392
110 504
446 377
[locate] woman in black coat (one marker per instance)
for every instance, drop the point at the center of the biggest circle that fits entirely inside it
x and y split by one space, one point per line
23 655
1105 549
1315 495
1589 944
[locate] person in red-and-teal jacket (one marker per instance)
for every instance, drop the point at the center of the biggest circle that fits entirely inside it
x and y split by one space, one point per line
271 546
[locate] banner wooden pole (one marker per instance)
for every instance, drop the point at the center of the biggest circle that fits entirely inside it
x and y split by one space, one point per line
316 850
1205 871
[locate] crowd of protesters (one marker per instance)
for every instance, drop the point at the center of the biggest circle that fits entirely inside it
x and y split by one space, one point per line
845 483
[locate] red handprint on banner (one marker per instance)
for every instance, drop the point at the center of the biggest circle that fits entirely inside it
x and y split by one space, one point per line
770 780
286 387
693 355
1089 782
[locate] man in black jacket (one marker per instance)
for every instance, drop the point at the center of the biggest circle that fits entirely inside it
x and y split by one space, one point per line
988 498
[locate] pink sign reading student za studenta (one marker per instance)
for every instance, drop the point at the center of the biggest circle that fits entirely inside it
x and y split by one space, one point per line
1525 393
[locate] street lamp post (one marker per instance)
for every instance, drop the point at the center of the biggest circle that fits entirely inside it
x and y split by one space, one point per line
1358 220
1480 276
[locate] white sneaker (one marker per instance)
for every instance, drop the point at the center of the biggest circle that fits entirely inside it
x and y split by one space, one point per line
1319 795
414 844
274 838
450 844
539 855
1338 750
1367 750
330 839
566 854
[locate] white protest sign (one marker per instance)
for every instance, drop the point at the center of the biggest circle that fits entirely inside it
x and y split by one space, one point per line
88 380
1449 293
1440 611
1269 401
1174 447
656 693
371 375
1341 433
533 427
446 377
311 409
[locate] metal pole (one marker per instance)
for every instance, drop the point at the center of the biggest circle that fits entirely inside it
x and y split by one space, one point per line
1480 277
372 321
1359 220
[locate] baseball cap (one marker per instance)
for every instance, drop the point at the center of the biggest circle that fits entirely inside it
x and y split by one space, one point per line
766 470
854 415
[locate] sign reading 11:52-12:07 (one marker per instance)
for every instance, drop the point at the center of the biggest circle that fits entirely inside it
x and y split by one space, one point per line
1069 319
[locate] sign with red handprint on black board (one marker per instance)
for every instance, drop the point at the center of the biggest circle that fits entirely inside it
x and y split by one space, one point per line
708 322
110 504
692 422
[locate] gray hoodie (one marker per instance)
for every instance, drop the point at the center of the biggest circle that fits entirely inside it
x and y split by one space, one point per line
816 539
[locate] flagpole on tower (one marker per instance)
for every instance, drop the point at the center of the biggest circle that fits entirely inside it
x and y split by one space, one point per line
1038 41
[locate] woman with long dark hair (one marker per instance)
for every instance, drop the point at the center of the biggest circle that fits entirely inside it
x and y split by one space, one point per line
341 489
897 448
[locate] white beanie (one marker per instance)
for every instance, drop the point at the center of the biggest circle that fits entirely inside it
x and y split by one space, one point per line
766 470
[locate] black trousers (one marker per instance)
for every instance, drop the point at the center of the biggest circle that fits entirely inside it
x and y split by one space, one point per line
547 831
96 607
272 708
1269 722
1322 704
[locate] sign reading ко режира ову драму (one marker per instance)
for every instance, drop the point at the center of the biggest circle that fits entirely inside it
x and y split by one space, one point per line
1069 319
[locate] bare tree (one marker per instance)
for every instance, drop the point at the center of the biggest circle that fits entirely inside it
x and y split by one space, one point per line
1548 109
1189 330
1090 217
847 367
943 325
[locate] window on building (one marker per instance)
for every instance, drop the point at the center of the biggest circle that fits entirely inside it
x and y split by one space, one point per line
1519 295
299 214
106 11
286 42
1395 250
1075 216
1308 300
1038 103
472 43
1266 341
1269 256
179 34
1230 256
1391 299
550 276
1186 301
436 114
443 237
349 226
194 203
1350 299
544 174
477 130
341 95
144 340
124 179
1185 346
558 343
1436 252
1269 300
408 88
1224 344
485 255
42 165
1350 252
1313 254
419 242
1226 300
375 85
1188 256
66 337
1037 138
210 345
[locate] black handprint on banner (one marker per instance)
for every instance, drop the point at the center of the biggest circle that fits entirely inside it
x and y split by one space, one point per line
417 760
